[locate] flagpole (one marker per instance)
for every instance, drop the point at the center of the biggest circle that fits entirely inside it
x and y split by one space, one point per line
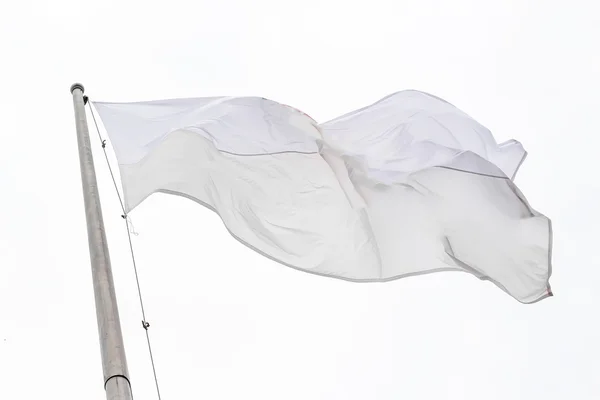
114 363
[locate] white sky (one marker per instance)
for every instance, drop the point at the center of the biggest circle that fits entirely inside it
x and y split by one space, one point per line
227 323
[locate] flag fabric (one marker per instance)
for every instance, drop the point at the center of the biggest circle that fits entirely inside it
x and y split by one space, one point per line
406 186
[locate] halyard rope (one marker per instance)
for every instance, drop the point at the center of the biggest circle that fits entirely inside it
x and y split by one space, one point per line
130 231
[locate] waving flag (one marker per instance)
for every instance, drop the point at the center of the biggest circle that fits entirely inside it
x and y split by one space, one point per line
406 186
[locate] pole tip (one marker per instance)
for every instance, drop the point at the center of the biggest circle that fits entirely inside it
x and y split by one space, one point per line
77 86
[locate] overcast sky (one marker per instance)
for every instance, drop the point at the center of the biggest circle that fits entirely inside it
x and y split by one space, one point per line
227 323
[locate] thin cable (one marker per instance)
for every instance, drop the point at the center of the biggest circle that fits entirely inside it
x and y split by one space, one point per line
145 324
112 175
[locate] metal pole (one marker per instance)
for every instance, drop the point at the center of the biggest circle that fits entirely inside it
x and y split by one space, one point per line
114 363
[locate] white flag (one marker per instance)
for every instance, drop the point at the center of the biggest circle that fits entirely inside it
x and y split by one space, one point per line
406 186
